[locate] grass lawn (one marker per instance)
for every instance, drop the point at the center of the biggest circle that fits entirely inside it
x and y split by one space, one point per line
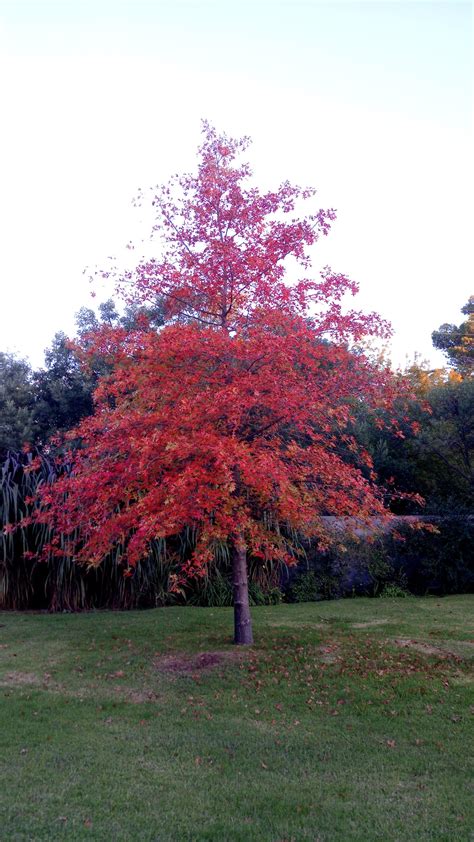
346 721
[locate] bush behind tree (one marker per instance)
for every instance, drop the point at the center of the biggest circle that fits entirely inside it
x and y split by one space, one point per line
405 558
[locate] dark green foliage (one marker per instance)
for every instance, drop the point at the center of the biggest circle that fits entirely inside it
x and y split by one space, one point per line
436 562
215 591
438 461
17 400
58 583
63 390
406 559
351 567
457 342
445 446
393 591
18 572
305 588
37 405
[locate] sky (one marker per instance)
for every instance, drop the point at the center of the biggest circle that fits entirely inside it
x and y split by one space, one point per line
369 102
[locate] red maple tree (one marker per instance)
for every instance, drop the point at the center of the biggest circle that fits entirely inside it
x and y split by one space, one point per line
230 418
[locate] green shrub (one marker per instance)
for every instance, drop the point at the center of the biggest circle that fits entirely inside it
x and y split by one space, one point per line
393 591
309 586
212 591
58 583
215 591
259 596
439 562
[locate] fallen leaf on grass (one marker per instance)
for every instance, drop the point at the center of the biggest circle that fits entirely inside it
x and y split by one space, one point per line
391 743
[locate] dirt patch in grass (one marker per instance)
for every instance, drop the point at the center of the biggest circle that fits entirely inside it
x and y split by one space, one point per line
369 623
199 662
424 648
19 679
297 624
140 697
464 679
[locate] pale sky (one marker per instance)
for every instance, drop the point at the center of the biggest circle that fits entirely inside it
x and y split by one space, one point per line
370 102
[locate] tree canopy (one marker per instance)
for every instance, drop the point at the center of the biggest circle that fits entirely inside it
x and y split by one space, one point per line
228 420
17 421
457 341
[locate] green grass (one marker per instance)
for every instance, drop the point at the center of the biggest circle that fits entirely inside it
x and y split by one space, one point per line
326 729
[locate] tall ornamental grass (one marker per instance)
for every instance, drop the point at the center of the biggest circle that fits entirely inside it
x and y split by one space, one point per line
58 583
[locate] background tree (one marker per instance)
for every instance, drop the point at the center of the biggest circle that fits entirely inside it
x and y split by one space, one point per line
444 448
35 405
17 398
63 390
431 452
457 342
227 421
432 449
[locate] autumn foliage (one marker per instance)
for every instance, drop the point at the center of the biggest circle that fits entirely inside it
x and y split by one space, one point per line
233 418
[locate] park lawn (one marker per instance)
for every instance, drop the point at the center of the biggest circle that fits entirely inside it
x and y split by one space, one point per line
151 726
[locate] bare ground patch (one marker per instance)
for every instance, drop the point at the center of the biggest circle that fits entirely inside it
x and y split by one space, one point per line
369 623
137 697
463 678
297 624
20 679
199 662
453 649
140 697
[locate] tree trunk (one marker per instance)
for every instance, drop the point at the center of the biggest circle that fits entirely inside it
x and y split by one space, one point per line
243 635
